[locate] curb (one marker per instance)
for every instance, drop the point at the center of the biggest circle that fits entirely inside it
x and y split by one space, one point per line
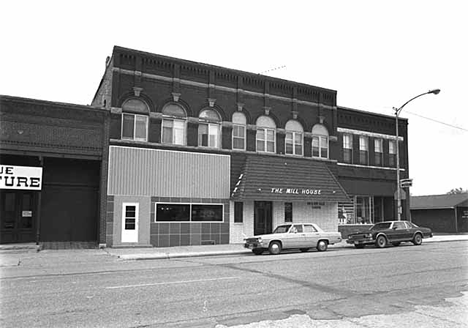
168 256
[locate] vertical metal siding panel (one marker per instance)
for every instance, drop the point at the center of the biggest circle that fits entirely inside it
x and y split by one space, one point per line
134 171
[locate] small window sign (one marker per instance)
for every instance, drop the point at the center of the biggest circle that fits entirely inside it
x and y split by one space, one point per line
26 214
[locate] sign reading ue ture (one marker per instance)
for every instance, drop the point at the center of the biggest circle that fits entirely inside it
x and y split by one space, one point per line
296 191
20 177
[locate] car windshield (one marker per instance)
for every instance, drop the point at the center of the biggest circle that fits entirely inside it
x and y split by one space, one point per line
282 228
381 226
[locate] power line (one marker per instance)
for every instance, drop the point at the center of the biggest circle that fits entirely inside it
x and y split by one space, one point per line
273 69
440 122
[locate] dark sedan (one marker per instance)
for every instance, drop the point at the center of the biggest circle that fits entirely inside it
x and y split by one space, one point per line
389 232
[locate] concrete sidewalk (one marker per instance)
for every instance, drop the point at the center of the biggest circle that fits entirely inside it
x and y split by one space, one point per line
154 253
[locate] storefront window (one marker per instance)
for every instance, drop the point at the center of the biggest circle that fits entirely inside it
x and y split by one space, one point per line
207 212
172 212
188 212
288 212
238 212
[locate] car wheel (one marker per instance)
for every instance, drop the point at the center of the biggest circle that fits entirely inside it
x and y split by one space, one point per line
322 246
274 248
303 249
359 245
381 242
417 240
257 251
397 243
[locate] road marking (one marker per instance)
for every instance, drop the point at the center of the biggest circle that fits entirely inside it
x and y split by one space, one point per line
171 282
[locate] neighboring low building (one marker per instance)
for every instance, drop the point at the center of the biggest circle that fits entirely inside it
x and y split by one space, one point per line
441 213
52 158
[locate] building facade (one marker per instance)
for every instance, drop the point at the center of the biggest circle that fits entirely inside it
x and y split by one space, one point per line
200 154
442 213
51 164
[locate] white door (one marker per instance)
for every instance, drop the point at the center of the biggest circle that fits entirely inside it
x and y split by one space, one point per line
129 222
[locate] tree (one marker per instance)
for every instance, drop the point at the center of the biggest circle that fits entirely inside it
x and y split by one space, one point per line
457 191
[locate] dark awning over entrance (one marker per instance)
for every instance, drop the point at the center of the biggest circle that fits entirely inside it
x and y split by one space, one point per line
287 179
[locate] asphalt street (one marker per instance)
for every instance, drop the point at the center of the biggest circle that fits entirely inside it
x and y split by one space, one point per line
94 289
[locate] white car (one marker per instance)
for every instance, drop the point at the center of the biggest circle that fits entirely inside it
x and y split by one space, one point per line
302 236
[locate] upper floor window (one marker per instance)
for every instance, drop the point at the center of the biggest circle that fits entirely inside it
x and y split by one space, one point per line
363 150
239 123
266 134
378 152
294 138
391 153
209 129
135 120
173 125
347 148
320 141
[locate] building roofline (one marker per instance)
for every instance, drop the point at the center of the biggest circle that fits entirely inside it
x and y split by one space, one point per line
372 113
49 103
240 72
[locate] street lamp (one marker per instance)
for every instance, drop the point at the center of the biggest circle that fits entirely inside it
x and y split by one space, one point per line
397 113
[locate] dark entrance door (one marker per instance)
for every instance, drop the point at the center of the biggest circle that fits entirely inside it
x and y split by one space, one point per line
263 220
17 216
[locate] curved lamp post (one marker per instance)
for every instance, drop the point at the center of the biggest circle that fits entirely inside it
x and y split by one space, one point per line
397 113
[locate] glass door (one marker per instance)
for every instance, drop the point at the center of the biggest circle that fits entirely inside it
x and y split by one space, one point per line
263 219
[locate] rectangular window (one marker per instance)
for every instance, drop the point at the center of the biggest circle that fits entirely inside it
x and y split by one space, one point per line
207 212
266 140
293 143
347 148
391 153
238 212
173 132
130 217
208 135
188 212
134 127
288 212
238 137
363 150
172 212
364 210
378 152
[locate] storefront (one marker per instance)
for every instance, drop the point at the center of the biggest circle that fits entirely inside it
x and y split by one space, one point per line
272 190
166 198
50 173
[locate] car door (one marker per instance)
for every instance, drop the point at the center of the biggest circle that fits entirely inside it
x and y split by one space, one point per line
400 231
311 235
295 238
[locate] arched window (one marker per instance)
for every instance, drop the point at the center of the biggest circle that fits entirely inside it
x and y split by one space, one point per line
266 134
294 138
319 141
209 129
174 125
135 120
238 130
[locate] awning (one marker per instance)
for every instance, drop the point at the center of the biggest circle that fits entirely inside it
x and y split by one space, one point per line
273 178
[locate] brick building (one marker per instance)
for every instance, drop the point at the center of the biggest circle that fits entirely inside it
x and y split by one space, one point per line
200 154
52 158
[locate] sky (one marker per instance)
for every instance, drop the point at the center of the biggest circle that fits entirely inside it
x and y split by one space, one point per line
375 54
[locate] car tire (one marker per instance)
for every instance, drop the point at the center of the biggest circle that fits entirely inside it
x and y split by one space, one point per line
417 239
360 246
397 243
257 251
303 249
322 245
275 248
381 241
